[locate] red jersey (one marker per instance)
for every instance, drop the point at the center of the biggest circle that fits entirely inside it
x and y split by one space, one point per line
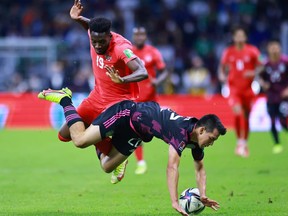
119 53
239 62
153 61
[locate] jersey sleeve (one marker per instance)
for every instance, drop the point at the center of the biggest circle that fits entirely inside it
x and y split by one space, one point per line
224 57
124 52
160 64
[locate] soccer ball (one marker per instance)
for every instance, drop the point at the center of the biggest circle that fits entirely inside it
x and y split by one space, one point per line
190 201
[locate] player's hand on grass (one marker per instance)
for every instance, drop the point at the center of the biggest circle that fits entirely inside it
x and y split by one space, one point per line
179 209
76 10
210 203
113 74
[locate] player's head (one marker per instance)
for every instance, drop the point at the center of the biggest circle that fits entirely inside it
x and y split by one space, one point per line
274 49
239 35
209 128
139 36
100 34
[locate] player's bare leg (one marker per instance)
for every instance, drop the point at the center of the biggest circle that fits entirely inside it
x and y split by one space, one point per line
82 137
240 124
64 134
113 161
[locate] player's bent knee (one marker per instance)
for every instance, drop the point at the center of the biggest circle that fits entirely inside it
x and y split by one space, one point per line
107 169
108 166
79 144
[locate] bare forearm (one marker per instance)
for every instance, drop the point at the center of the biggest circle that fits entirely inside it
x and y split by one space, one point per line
83 21
162 77
136 76
222 75
172 181
201 181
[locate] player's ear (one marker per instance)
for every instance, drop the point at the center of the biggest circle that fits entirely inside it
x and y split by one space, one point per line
202 130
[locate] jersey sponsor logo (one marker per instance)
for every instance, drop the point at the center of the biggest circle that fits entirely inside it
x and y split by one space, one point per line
128 53
181 146
108 58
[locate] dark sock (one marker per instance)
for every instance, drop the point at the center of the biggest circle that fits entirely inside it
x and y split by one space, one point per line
275 134
70 112
98 153
65 101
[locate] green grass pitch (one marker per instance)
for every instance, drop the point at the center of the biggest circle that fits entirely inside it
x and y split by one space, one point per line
41 176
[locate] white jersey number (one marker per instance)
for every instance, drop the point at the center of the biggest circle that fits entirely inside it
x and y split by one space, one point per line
100 62
239 65
173 117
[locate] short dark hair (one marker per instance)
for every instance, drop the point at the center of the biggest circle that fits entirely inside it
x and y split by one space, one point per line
210 122
273 40
100 25
238 28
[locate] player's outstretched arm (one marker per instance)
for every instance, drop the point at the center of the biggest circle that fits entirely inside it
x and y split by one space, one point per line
75 14
201 182
172 179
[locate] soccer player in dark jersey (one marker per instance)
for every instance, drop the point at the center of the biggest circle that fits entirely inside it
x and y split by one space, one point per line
274 81
129 123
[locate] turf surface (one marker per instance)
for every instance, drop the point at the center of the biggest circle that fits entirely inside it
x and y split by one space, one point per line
41 176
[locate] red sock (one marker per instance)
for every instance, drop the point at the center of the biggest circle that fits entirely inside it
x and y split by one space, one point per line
61 138
245 127
237 125
139 153
104 146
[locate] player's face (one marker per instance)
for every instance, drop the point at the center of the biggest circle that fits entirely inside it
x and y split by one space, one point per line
239 37
206 139
139 38
274 49
100 41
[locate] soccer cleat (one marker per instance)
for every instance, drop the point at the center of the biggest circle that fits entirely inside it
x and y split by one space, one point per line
118 173
55 95
141 169
242 150
277 149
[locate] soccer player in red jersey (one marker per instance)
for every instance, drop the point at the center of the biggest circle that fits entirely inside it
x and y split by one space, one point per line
153 62
239 64
274 82
116 70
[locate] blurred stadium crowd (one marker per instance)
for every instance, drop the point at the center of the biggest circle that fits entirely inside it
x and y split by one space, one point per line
189 33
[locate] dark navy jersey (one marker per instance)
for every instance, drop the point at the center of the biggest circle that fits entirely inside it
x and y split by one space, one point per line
276 74
150 120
